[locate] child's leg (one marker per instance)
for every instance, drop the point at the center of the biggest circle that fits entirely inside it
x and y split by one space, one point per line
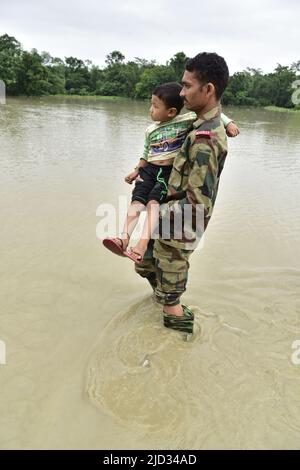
140 194
152 218
118 245
132 218
156 197
138 203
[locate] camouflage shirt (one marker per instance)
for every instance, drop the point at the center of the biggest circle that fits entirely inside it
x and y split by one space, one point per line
194 181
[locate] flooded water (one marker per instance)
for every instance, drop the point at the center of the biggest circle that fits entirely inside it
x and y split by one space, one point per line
88 362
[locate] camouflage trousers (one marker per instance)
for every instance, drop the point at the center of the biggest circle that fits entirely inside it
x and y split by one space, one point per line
166 269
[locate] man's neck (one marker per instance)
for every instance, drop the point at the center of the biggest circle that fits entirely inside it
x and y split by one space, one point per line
210 105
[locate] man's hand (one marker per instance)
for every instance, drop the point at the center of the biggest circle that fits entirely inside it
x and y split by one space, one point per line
132 176
232 130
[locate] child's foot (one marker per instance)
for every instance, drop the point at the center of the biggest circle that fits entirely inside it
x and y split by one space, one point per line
116 245
124 240
136 253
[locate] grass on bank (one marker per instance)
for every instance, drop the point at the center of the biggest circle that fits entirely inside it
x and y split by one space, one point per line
73 97
282 110
122 98
92 97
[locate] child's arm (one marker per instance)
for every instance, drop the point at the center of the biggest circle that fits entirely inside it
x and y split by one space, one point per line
232 129
142 163
134 174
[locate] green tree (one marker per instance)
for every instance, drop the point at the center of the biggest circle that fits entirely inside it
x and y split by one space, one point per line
117 76
56 73
260 88
78 77
131 76
33 75
177 62
295 67
96 77
144 63
283 77
152 77
238 91
115 57
10 61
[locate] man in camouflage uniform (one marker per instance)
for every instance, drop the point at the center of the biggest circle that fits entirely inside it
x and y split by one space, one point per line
193 185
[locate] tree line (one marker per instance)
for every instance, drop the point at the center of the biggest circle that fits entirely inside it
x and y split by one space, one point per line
34 74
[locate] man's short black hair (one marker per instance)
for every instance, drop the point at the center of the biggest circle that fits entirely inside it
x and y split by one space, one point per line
169 93
210 67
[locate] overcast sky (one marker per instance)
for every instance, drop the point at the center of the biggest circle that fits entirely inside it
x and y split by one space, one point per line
260 33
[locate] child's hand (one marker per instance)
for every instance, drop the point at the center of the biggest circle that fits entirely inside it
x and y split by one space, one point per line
131 177
232 130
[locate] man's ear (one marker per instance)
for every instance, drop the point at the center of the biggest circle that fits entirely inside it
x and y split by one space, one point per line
210 89
172 112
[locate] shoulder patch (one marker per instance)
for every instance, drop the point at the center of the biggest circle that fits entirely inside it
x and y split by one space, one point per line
205 134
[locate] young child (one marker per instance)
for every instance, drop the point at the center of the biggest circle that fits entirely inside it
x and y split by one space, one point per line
163 141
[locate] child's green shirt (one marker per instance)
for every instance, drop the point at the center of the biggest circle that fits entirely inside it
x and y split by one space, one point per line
164 139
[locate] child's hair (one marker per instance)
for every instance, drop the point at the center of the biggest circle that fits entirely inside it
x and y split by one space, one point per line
210 67
169 93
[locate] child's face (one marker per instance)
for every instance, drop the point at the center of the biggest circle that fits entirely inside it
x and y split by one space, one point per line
159 111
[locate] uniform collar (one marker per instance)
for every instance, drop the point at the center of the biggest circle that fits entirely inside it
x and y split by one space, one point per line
214 112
